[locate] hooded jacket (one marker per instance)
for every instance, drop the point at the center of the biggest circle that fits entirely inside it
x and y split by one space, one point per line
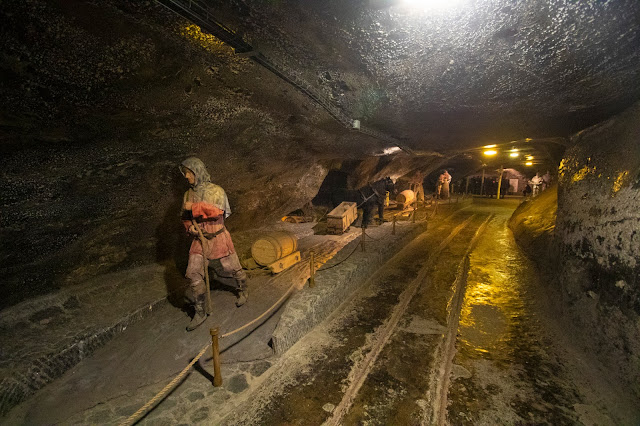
210 208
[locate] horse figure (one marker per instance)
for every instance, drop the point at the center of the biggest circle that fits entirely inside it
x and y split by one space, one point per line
367 197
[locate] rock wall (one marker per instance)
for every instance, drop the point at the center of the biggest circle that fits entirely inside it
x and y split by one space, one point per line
100 103
599 206
592 254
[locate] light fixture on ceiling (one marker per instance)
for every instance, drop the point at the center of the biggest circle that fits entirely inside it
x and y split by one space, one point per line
490 146
490 152
528 163
514 154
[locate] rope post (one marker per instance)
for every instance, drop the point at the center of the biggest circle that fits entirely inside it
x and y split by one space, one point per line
415 210
362 241
393 230
312 270
217 376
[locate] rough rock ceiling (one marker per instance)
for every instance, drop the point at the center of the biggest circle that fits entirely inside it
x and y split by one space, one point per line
479 71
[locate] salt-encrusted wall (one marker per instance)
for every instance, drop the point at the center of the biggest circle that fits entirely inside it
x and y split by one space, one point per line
592 255
599 203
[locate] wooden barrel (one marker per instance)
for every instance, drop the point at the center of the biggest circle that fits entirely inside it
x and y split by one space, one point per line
273 246
406 197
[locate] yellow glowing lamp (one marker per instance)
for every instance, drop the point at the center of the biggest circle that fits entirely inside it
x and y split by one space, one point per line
514 155
529 157
490 146
528 163
490 152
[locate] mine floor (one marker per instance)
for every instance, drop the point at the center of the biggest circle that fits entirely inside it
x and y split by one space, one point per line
432 340
453 329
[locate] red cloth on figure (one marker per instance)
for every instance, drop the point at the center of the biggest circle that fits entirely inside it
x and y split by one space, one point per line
211 220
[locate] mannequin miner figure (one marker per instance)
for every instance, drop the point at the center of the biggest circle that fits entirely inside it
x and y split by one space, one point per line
207 204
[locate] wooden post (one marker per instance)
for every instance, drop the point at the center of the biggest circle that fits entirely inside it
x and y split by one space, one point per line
312 270
499 183
415 210
362 240
205 262
393 230
217 376
466 188
482 183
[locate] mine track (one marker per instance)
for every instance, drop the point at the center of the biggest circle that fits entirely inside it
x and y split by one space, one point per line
444 358
338 374
360 371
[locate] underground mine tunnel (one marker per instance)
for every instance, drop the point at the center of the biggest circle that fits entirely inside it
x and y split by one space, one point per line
415 212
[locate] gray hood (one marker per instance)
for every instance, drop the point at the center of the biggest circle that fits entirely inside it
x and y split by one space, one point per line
203 188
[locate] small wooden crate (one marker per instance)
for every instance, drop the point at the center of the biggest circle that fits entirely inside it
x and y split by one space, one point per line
340 218
284 263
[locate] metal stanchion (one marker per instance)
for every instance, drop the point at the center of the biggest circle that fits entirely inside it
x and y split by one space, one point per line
217 376
393 230
312 270
362 241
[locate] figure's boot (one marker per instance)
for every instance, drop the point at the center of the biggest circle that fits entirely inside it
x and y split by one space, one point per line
200 314
243 293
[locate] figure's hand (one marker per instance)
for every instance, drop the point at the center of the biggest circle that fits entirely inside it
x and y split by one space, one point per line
193 230
187 205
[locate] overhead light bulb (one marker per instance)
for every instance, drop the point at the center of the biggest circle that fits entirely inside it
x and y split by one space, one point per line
490 146
490 152
528 163
529 157
514 155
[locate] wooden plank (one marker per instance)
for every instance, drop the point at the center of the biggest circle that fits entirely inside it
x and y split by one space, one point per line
284 263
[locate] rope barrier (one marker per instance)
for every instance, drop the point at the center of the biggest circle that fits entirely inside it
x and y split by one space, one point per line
134 417
355 247
371 238
261 316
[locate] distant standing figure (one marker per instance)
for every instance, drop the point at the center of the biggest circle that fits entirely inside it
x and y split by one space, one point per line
445 178
546 180
416 185
536 182
207 205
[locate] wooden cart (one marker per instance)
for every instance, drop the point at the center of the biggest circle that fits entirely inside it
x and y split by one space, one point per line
340 218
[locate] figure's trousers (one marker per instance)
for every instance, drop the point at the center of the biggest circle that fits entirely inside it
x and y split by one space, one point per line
227 271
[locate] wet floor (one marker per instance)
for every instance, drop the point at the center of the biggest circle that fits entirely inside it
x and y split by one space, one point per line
380 359
506 370
448 331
